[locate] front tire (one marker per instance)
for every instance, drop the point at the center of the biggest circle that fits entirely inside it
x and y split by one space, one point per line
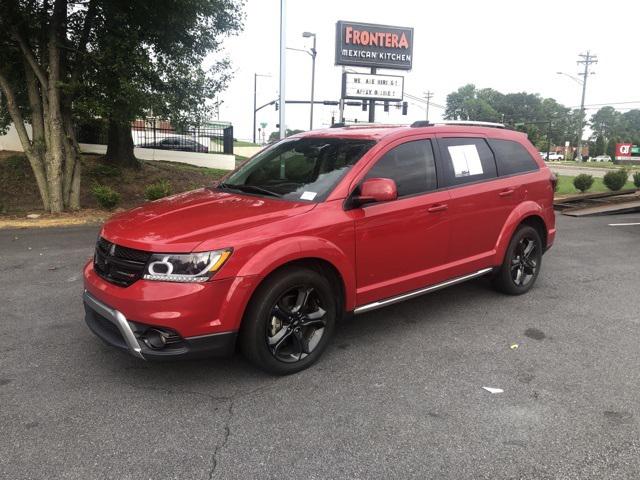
522 262
289 321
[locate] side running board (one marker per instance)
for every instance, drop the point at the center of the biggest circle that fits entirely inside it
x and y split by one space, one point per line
416 293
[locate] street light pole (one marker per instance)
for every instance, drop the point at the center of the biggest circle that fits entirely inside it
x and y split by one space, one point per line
314 52
283 70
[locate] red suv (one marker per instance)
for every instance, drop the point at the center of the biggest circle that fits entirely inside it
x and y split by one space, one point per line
314 227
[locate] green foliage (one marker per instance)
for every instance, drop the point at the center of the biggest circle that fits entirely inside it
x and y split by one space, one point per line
636 179
106 197
105 170
615 180
583 182
598 146
275 135
158 190
17 166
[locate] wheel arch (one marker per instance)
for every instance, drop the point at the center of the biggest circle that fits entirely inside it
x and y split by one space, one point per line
527 213
316 253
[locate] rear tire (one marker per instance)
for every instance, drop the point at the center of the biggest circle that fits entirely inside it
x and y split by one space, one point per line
522 262
289 321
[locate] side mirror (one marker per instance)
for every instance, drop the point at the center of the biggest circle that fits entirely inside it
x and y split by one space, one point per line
375 190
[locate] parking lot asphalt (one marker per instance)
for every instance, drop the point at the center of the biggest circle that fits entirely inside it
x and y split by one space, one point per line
398 394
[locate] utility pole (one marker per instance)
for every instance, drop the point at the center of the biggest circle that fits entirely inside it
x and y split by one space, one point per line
587 60
283 70
428 95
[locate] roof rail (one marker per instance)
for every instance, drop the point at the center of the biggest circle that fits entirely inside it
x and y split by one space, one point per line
468 123
366 125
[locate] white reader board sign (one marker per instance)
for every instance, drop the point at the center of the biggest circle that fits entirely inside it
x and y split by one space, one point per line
466 160
372 86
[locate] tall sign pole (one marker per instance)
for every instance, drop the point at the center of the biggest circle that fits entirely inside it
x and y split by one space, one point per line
283 69
372 102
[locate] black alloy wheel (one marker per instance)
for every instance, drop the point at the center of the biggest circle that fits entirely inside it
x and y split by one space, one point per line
289 320
296 325
522 262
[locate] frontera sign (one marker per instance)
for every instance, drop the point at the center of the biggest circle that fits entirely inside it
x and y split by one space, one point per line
375 46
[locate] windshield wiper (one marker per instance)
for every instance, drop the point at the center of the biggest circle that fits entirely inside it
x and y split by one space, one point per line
249 188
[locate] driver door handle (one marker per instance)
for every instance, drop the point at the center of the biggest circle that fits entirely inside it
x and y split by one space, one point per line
506 193
441 207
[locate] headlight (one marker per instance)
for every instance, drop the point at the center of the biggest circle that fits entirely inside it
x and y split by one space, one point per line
189 267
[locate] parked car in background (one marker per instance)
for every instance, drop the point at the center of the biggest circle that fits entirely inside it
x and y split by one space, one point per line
555 156
180 144
313 228
600 158
543 155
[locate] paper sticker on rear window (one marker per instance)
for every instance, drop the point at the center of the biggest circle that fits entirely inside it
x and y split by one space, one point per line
466 161
308 196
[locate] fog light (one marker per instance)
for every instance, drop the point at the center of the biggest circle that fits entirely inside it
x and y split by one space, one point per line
155 339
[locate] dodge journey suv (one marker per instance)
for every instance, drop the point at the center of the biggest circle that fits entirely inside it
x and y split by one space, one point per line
315 227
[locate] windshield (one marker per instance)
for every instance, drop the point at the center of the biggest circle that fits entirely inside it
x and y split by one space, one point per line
298 169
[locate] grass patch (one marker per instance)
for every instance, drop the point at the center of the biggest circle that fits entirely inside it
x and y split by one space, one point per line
565 186
607 165
242 143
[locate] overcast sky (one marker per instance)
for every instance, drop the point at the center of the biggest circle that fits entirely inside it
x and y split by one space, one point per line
510 46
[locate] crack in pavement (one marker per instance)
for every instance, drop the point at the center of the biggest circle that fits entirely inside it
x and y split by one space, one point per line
227 427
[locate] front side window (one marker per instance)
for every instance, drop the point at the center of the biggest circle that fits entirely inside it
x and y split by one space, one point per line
411 165
304 169
467 160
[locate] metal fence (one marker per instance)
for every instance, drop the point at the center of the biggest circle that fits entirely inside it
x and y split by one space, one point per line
211 137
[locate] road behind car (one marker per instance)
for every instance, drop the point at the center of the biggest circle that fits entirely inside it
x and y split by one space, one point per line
398 394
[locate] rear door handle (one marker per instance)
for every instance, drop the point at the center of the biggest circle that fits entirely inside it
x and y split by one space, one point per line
506 193
438 208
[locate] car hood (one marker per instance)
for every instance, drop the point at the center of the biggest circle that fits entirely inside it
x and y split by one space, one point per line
181 222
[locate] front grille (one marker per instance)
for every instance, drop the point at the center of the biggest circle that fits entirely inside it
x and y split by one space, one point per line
117 264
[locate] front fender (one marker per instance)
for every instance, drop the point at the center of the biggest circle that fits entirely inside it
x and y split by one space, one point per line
521 212
291 249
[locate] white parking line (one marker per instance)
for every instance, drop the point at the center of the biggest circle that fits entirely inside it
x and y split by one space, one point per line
623 224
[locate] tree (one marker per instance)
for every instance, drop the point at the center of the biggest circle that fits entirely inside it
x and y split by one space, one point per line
148 60
467 103
41 47
275 135
109 58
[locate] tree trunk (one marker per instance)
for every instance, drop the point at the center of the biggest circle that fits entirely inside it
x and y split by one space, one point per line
120 145
72 164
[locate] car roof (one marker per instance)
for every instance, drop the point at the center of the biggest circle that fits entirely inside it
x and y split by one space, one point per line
378 132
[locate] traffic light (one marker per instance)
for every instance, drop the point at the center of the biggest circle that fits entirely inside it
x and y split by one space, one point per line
277 106
405 107
386 105
364 105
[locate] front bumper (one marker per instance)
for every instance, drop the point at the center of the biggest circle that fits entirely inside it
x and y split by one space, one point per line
111 326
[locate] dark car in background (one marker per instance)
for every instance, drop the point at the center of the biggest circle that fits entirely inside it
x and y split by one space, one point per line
180 144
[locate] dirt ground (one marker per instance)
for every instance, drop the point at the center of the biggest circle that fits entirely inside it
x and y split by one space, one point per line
19 195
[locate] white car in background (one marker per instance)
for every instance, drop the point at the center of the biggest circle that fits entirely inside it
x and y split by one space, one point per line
555 156
600 158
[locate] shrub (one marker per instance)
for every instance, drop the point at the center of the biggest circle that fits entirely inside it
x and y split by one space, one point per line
636 179
158 190
615 180
583 182
102 170
106 197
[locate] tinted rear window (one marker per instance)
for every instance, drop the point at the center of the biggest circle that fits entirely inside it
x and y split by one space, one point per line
511 157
